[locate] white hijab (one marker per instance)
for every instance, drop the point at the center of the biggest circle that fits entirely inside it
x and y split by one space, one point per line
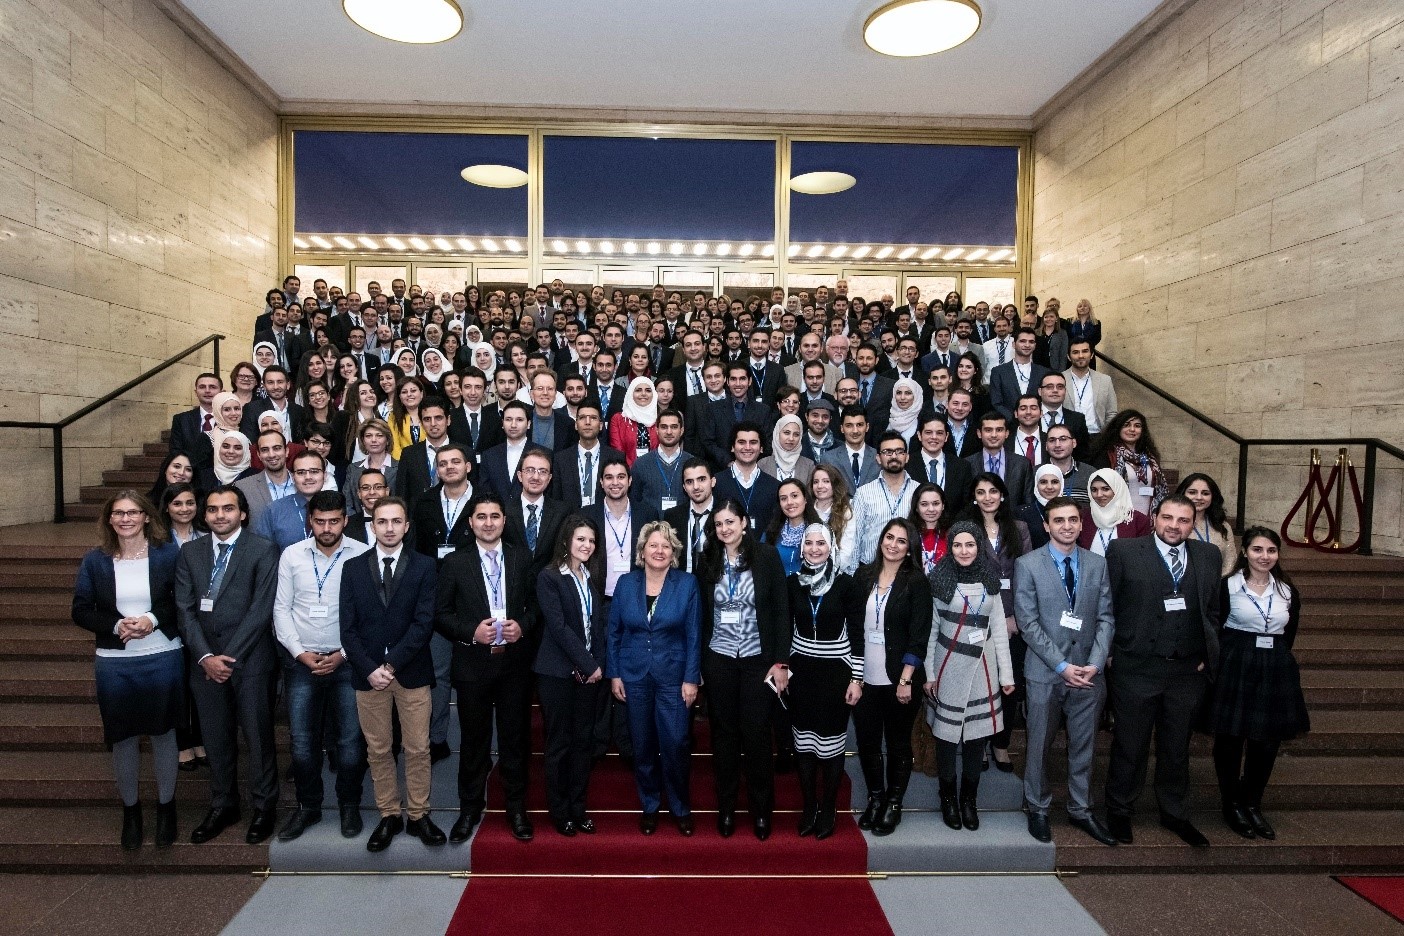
271 347
226 475
905 420
785 461
1119 509
643 415
436 373
1042 471
492 359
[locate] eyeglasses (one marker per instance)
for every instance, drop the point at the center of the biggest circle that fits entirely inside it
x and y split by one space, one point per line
372 488
128 514
307 472
535 471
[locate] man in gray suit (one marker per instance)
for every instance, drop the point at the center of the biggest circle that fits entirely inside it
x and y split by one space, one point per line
274 482
1062 601
855 457
224 591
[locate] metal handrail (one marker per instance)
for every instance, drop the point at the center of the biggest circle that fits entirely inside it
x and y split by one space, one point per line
1373 446
62 424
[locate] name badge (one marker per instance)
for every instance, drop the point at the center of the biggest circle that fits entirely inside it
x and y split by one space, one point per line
669 503
206 604
1145 491
877 638
731 617
1071 621
446 551
1265 642
1004 584
753 522
1175 603
317 611
498 614
976 636
641 451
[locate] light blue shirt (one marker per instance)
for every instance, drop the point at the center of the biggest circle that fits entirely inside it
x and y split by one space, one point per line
1058 558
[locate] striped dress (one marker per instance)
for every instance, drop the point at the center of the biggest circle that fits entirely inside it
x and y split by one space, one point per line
968 659
826 651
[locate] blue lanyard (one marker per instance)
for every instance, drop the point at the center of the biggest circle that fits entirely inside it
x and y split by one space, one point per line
978 605
1079 391
219 567
1266 615
1202 537
879 600
815 604
279 491
587 602
667 481
731 578
316 573
619 541
749 491
1166 562
451 517
892 507
1105 540
494 582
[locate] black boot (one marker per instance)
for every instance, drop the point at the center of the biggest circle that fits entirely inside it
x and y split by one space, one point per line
807 768
165 824
832 769
877 791
950 809
1236 818
131 827
899 774
969 793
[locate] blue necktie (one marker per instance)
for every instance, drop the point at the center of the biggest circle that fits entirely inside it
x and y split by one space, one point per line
221 566
533 527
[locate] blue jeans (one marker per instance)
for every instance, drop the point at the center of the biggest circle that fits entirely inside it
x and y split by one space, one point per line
308 698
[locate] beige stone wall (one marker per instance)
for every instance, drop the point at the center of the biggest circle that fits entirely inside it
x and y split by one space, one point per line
1230 196
138 213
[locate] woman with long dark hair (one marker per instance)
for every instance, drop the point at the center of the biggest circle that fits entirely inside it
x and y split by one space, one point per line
1126 446
1210 519
1258 701
176 468
787 525
896 626
929 518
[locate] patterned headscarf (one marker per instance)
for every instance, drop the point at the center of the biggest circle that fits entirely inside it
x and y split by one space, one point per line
819 580
949 573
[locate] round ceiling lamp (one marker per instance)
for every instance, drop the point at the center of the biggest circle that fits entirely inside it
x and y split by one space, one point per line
822 183
491 175
907 28
415 21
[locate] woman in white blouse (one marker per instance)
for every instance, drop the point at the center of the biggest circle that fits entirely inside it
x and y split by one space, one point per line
1258 700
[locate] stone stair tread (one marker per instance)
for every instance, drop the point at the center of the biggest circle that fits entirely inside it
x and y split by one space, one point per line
72 838
1352 679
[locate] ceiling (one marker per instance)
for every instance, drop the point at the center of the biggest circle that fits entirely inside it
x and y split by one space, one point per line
797 56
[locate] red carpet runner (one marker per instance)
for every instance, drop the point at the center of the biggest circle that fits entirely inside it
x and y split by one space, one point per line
607 906
1387 893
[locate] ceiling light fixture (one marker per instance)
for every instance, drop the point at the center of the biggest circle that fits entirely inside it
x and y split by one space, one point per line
746 250
420 22
513 245
493 175
976 254
862 252
906 253
367 243
300 243
582 247
559 246
768 250
441 243
930 252
816 251
838 251
793 250
952 254
345 243
630 247
883 253
489 244
606 247
395 243
699 250
653 247
908 28
723 250
822 183
676 249
999 255
466 245
321 242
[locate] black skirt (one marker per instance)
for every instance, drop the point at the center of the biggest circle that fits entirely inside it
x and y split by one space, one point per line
140 695
1258 693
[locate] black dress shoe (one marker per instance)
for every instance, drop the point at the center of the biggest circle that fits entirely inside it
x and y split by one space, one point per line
1120 829
648 823
564 827
1095 829
1004 766
762 827
1185 830
215 822
1261 826
520 826
439 750
351 825
1236 818
462 830
298 822
1038 827
131 827
585 825
726 824
390 826
685 825
189 766
262 825
424 829
876 803
165 824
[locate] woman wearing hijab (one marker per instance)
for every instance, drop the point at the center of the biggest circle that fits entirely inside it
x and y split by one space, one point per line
906 408
265 355
406 361
231 461
826 669
1048 484
485 360
966 658
433 367
631 430
227 411
786 462
1110 514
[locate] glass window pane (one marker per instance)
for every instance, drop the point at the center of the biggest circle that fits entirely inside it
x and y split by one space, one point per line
989 289
811 281
705 280
575 278
334 274
384 275
933 288
873 286
642 278
445 279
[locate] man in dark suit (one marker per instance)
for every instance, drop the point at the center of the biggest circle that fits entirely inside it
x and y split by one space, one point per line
767 376
689 518
497 468
1052 392
485 607
367 361
533 519
854 451
932 461
1165 589
874 391
1013 379
224 589
687 376
575 472
907 364
475 424
744 480
962 424
994 458
387 618
417 471
287 348
601 386
370 488
721 415
291 417
188 428
695 411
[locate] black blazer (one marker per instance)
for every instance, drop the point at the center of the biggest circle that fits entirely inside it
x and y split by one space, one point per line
565 474
552 514
1139 583
1018 476
489 429
358 528
187 436
562 653
563 429
95 595
248 424
463 603
616 397
715 430
906 623
294 346
241 624
639 514
958 475
772 603
397 631
842 607
1077 425
429 529
492 471
412 471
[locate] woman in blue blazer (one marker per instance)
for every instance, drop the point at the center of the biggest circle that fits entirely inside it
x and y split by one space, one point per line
125 595
654 663
570 668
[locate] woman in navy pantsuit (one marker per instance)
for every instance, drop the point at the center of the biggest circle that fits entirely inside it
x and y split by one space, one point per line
654 662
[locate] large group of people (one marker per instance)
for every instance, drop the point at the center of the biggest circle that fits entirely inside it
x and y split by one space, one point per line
790 511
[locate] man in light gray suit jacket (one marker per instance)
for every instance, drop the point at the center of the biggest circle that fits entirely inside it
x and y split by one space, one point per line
854 428
1062 601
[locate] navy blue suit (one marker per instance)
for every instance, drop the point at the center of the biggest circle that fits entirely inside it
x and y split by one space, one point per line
654 655
397 632
761 501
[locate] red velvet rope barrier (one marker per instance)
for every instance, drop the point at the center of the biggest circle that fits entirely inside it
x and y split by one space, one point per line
1334 523
1314 483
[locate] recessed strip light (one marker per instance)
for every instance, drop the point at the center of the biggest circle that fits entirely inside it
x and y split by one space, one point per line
367 243
607 247
301 243
441 243
395 243
907 28
746 250
794 250
884 253
630 247
559 246
768 250
466 245
699 250
413 21
906 253
489 244
953 254
816 251
321 242
999 255
582 246
723 250
930 252
676 249
862 252
976 254
653 247
513 245
839 251
345 243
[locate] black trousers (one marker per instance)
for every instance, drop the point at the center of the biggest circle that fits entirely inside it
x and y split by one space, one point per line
739 705
243 702
1015 700
1153 696
971 765
506 695
1243 767
879 717
568 712
612 720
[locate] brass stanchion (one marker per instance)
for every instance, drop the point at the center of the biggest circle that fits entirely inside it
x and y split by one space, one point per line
1342 463
1312 472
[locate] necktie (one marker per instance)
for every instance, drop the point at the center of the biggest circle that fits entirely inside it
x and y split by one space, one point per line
696 379
604 404
533 527
857 467
587 490
1177 566
433 468
387 574
790 346
1050 420
867 390
1069 582
208 424
1029 449
994 464
699 527
932 473
738 410
473 428
585 375
361 364
495 569
221 566
282 357
1002 342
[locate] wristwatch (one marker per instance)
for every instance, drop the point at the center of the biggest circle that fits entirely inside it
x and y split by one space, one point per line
904 682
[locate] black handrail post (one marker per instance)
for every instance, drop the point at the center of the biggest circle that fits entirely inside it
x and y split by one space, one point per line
216 360
1367 509
59 515
1240 521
